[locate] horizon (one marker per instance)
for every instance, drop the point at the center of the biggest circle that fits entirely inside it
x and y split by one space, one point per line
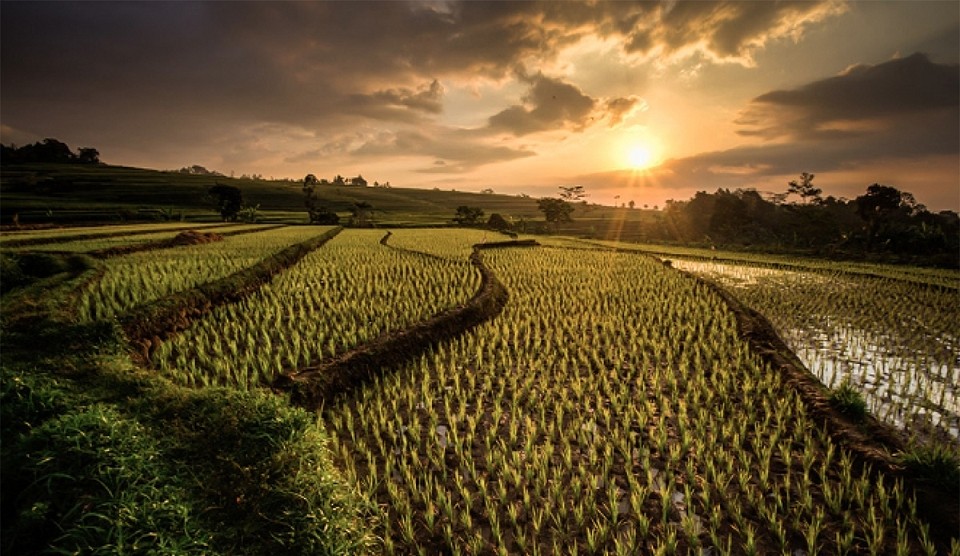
636 102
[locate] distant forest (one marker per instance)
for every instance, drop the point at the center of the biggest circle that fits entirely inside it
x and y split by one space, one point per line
882 224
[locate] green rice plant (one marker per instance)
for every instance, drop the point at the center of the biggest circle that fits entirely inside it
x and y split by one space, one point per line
609 371
349 292
138 278
897 339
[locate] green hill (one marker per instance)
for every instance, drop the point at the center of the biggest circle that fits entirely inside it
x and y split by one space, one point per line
70 192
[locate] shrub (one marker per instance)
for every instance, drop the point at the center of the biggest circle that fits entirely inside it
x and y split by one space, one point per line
937 464
848 400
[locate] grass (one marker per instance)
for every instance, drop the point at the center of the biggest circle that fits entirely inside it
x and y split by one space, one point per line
937 464
848 400
99 457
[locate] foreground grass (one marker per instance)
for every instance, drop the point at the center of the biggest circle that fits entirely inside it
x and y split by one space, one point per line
100 457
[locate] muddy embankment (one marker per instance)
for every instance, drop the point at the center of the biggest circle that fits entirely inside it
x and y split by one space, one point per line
149 325
311 385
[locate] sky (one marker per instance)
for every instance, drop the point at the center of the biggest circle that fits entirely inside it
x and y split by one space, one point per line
640 102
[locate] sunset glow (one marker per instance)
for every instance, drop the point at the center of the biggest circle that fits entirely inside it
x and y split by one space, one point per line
517 97
641 157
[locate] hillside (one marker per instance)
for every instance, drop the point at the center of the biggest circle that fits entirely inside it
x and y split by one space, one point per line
71 192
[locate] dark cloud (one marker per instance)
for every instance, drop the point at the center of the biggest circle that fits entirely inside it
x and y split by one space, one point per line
552 104
862 100
721 30
549 104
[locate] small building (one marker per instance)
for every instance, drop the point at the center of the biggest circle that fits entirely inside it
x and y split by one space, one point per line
358 181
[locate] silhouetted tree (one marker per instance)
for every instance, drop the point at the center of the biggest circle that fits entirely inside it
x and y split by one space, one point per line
466 216
316 213
48 151
804 188
228 199
555 210
88 155
879 204
573 193
498 222
361 214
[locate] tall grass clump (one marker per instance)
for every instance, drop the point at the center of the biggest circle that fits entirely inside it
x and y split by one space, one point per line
847 400
937 464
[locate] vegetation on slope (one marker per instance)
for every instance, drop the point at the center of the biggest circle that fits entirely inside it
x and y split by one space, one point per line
100 457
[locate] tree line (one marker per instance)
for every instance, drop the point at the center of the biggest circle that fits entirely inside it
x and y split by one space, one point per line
48 151
884 223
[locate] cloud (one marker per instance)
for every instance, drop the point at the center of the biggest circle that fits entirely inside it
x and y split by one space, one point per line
451 150
552 104
549 104
862 100
722 31
145 78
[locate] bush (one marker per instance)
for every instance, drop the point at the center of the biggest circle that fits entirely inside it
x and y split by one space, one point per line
847 400
937 464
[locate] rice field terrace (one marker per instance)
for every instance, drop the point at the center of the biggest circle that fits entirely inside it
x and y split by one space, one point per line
116 242
13 238
612 406
895 342
138 278
361 288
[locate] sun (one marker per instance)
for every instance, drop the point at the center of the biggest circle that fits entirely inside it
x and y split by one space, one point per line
641 157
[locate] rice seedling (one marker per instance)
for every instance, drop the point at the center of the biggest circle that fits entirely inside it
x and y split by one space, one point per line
891 341
347 293
656 418
139 278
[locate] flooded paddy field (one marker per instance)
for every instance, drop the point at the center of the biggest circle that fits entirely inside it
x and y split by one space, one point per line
894 341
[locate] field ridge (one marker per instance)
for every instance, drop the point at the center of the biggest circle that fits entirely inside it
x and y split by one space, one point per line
311 385
148 325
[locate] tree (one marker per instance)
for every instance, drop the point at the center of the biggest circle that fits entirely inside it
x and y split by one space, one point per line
572 193
317 213
631 204
338 180
468 215
361 213
229 201
804 189
88 155
555 210
498 222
